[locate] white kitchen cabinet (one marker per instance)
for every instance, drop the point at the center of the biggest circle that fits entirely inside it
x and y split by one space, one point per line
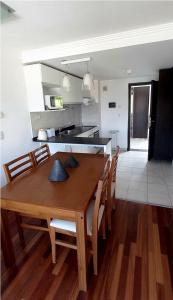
38 76
50 76
54 78
34 87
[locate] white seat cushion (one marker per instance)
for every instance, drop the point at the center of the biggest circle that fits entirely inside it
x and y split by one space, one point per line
63 224
71 226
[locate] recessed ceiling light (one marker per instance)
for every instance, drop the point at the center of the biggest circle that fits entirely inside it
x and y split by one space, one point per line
73 61
129 71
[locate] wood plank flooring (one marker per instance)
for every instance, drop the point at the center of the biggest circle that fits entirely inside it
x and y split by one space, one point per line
136 261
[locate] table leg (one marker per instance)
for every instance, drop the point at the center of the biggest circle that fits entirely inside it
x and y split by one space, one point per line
81 251
7 246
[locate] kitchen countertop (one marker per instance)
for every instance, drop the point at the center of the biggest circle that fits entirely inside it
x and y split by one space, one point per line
69 135
75 140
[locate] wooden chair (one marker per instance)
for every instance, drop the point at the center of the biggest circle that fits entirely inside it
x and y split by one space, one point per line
13 170
18 166
111 186
95 220
41 154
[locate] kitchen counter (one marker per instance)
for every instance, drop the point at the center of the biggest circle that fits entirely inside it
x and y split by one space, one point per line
62 139
80 139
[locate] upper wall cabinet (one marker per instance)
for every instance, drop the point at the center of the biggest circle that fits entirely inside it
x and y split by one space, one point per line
41 80
34 87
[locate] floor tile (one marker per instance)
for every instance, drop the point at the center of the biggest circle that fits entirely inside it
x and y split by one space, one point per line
161 199
157 188
139 171
139 177
170 189
169 180
121 184
138 185
155 173
137 195
145 180
154 179
121 193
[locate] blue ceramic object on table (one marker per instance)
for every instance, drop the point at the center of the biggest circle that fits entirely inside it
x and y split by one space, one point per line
58 173
71 162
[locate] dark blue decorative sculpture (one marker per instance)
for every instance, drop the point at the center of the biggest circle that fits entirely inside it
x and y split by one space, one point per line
71 162
58 173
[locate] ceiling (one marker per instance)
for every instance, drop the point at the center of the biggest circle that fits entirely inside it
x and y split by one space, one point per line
143 60
43 23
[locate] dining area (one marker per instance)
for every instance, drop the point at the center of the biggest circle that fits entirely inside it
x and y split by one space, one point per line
71 197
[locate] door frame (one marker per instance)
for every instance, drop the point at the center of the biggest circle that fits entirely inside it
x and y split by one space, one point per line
129 105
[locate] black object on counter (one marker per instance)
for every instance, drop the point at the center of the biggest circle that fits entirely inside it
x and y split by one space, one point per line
71 162
58 173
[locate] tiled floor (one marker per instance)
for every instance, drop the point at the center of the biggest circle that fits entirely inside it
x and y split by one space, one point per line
142 181
139 144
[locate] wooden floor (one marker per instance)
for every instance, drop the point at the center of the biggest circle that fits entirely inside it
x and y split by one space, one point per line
136 262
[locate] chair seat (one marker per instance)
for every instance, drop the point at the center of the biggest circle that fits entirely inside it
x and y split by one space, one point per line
71 226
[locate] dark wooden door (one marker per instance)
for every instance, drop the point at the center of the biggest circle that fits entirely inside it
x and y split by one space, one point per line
163 146
152 125
140 112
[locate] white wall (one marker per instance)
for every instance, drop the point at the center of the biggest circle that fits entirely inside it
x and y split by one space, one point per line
117 118
91 114
16 131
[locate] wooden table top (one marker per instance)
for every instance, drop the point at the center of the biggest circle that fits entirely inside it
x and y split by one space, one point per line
73 194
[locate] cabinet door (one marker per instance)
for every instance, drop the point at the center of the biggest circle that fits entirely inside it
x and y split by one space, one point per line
34 87
50 76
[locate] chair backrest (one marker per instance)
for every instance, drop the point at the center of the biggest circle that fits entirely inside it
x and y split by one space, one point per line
41 154
114 164
101 197
18 166
112 172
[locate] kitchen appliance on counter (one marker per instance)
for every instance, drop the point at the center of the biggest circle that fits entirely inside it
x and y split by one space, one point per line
53 102
50 132
42 134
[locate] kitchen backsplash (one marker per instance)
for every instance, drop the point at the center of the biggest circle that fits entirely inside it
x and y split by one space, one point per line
56 119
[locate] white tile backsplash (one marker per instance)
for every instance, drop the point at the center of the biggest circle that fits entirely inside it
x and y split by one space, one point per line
56 119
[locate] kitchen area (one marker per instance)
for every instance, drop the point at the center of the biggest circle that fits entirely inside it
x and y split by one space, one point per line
64 112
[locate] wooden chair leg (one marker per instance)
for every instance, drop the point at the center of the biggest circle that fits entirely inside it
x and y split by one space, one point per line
114 203
104 227
95 256
20 229
52 238
109 217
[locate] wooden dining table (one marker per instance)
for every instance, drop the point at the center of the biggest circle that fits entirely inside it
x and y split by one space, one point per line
34 194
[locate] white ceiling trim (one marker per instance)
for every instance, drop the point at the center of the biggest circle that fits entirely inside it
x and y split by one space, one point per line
139 36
